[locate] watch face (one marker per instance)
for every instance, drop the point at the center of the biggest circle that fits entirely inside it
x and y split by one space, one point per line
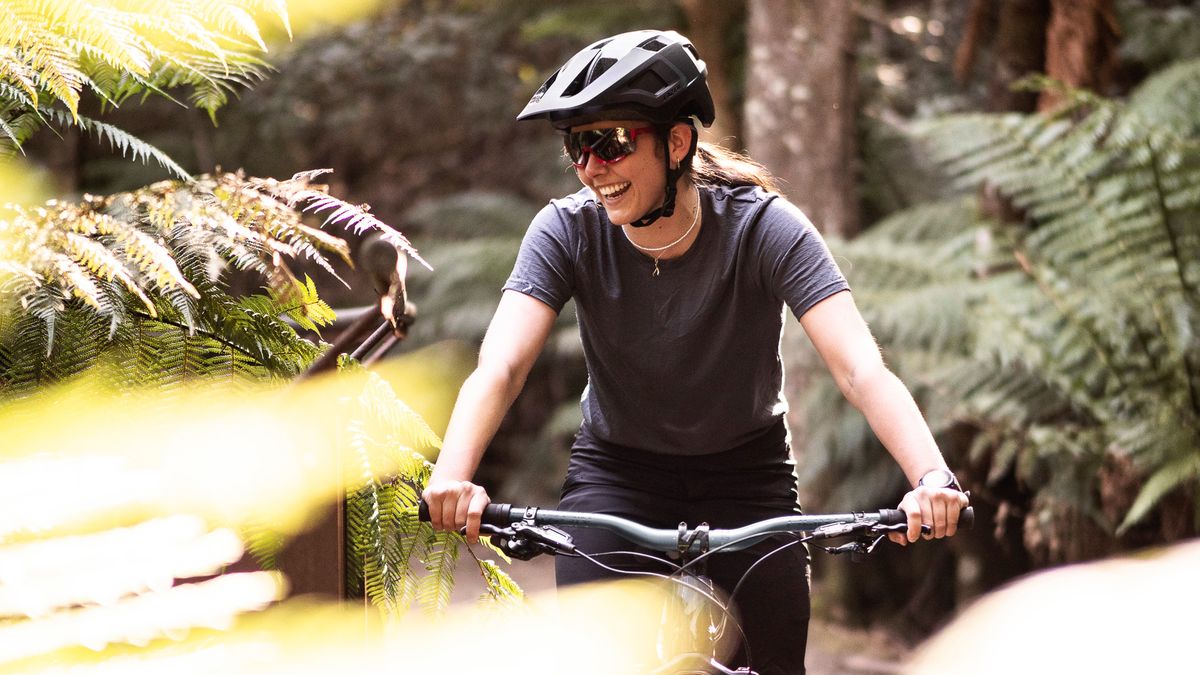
938 478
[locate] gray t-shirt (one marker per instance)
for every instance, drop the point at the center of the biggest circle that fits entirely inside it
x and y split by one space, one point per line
688 362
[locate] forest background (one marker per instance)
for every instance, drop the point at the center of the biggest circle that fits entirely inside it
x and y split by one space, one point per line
1025 249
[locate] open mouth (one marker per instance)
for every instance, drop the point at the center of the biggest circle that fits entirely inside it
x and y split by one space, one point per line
613 191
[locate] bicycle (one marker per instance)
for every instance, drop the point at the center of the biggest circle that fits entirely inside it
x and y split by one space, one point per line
523 532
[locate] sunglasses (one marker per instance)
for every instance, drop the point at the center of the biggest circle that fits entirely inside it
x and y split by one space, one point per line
606 145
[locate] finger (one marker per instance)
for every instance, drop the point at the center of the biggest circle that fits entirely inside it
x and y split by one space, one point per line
898 538
915 512
939 512
952 511
955 510
449 506
926 516
433 502
462 504
475 507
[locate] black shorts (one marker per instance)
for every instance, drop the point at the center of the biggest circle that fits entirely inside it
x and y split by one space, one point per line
727 489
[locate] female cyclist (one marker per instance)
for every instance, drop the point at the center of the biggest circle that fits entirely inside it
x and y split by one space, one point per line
680 258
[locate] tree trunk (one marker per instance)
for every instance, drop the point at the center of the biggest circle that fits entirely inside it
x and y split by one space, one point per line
1081 45
708 24
801 102
1018 48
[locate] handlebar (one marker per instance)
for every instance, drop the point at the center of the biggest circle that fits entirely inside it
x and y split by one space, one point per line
701 539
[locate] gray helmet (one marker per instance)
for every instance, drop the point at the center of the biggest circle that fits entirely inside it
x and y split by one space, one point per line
650 75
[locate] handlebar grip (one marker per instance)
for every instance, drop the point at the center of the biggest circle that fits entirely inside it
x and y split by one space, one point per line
892 517
966 517
497 514
493 514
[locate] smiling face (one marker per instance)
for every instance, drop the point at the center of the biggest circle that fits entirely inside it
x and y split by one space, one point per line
632 186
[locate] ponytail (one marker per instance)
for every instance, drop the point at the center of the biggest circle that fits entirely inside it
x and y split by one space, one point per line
714 165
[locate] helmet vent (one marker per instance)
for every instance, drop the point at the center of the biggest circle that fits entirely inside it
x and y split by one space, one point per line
598 68
648 81
581 80
653 44
537 96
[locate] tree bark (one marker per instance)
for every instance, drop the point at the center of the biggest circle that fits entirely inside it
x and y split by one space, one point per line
708 24
800 105
1020 50
1081 45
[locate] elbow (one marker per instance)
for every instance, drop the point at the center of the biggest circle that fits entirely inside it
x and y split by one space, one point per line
503 376
863 378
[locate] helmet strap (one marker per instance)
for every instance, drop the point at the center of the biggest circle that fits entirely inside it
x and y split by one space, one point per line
668 205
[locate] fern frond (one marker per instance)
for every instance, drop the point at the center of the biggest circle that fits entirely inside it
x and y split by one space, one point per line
500 587
1169 98
441 560
1073 334
117 139
297 193
18 80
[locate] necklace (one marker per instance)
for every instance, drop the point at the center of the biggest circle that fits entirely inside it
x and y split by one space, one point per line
658 249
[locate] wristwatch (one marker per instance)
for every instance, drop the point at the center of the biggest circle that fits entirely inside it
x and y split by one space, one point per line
940 478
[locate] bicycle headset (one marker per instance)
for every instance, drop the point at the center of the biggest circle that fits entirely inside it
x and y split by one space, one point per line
648 75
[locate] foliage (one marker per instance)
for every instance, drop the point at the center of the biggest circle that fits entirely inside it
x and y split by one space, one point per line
124 560
139 272
55 49
1068 341
131 286
385 447
1157 34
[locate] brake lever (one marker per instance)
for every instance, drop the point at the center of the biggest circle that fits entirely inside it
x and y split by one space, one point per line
524 542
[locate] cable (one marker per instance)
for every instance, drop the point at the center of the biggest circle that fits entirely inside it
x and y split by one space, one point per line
676 580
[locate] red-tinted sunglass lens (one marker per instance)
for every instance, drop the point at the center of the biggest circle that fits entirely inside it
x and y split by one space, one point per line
608 145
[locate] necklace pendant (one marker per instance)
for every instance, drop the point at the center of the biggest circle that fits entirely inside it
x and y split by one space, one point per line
655 272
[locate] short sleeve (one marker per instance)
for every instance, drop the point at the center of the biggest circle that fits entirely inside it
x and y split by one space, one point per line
545 267
796 263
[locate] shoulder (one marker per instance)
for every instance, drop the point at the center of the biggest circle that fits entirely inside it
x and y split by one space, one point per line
576 206
759 211
566 218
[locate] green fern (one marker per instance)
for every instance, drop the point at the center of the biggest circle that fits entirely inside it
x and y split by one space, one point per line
391 558
56 48
1072 337
124 142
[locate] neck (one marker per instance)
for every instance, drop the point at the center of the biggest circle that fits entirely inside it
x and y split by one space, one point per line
676 232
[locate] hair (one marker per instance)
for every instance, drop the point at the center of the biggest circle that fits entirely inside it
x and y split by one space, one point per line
715 165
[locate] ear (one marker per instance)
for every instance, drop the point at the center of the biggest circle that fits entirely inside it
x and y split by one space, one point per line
680 139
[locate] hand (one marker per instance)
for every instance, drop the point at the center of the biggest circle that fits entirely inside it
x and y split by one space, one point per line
456 504
936 507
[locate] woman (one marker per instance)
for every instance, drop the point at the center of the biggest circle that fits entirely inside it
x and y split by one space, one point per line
680 259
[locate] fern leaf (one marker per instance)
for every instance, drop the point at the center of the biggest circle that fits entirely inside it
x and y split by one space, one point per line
120 140
500 586
441 559
297 193
1164 480
18 80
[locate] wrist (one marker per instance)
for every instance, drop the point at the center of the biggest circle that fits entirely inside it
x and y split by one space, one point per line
940 478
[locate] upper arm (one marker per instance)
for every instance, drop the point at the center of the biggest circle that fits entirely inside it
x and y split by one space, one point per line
516 335
842 338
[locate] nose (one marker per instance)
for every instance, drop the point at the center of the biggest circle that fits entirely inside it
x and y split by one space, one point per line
593 167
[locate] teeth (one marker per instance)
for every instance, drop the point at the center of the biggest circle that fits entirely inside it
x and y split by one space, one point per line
612 190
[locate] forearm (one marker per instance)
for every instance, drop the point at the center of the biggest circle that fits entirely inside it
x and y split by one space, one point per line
894 417
482 402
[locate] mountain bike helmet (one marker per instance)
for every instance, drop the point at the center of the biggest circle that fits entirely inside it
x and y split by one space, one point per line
650 75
